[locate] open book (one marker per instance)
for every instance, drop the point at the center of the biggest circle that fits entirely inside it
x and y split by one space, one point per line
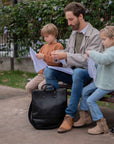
41 64
92 69
62 69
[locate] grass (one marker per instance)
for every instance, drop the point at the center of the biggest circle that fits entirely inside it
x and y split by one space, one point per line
106 104
18 79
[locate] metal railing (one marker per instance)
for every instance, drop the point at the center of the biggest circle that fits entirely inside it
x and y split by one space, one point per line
6 50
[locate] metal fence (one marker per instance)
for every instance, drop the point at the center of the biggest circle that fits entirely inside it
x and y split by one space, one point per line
6 50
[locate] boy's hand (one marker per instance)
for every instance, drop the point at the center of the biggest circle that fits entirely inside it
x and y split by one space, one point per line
59 55
40 56
88 52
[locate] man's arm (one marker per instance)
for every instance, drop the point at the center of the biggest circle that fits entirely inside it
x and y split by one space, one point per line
80 60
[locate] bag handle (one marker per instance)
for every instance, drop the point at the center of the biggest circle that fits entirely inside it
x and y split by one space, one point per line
48 87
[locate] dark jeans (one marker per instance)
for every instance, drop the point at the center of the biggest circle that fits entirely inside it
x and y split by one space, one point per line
79 78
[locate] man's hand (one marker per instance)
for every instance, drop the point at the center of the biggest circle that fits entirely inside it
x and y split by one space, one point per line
58 55
88 52
40 56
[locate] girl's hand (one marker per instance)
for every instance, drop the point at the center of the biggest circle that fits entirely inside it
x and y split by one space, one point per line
88 52
40 56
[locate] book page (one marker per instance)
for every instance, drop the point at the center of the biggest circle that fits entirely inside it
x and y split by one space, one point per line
62 69
41 64
38 64
92 69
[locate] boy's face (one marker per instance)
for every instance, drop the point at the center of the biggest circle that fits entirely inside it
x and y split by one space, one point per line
49 38
107 42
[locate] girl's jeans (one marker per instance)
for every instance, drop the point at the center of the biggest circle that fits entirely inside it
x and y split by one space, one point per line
88 100
79 78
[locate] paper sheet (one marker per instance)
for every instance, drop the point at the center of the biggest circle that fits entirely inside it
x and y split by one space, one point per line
38 64
92 69
62 69
60 61
41 64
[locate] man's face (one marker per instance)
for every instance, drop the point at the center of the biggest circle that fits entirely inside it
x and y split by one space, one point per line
72 20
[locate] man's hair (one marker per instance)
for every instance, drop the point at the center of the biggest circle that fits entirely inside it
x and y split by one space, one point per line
76 8
108 31
49 29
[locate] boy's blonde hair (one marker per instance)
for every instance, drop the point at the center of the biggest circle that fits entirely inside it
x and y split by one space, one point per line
108 31
49 29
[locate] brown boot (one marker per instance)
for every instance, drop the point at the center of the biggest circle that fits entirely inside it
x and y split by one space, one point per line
85 119
101 127
66 124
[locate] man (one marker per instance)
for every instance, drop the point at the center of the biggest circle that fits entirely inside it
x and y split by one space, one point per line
83 37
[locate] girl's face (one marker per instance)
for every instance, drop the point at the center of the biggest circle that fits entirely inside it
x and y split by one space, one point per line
49 38
106 41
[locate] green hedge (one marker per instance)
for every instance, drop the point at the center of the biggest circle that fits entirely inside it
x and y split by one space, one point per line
24 21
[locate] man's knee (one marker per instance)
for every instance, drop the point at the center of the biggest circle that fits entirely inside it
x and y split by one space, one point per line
78 73
48 73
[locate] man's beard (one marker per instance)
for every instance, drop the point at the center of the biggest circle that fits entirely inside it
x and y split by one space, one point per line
76 26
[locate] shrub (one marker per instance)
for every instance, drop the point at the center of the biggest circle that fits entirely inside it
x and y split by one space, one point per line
23 22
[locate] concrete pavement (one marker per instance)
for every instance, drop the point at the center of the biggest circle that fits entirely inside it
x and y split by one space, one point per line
16 129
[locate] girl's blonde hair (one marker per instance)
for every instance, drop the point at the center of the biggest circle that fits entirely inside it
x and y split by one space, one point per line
49 29
108 31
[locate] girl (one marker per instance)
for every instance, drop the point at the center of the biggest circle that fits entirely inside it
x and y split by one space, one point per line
104 84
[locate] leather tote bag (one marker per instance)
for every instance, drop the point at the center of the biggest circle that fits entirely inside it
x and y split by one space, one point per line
47 108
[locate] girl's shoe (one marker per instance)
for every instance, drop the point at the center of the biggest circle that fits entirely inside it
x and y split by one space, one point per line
85 119
100 128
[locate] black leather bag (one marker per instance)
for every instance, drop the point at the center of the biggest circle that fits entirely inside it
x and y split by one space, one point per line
47 109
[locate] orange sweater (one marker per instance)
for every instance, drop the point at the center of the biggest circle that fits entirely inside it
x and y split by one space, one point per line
46 50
